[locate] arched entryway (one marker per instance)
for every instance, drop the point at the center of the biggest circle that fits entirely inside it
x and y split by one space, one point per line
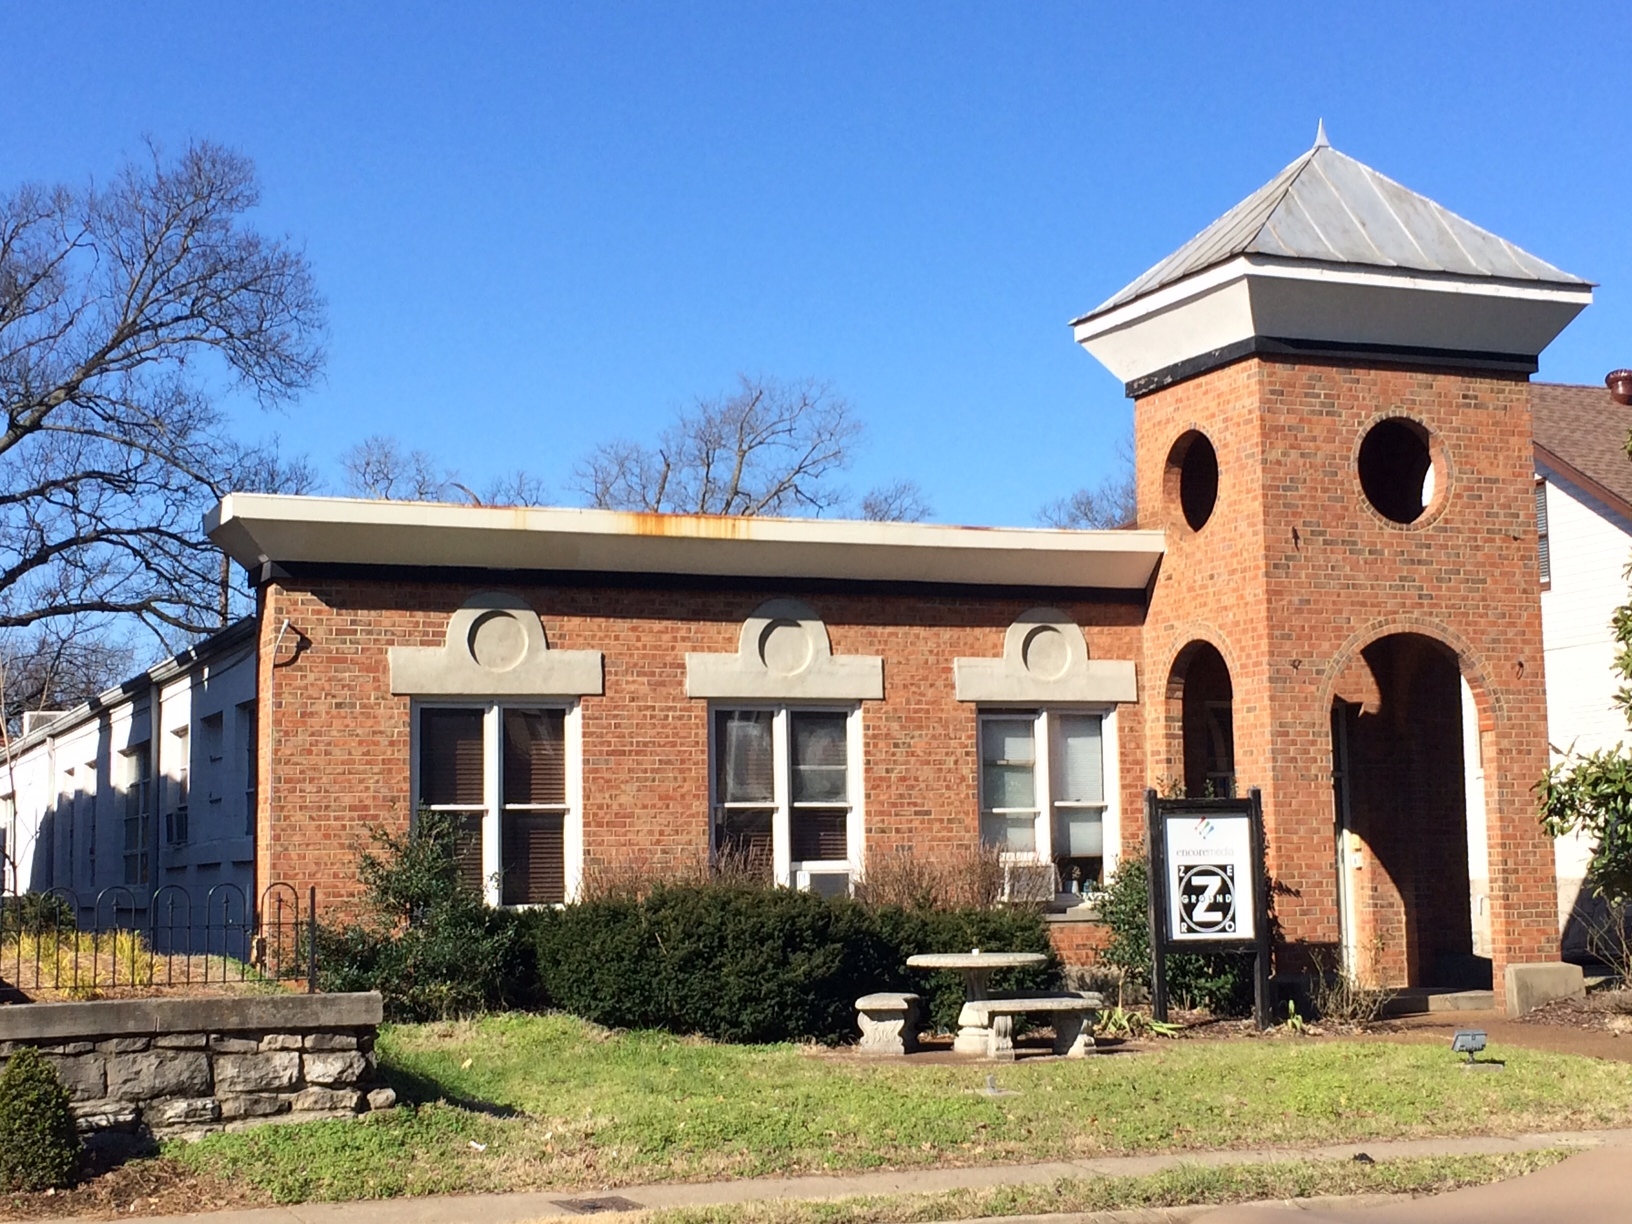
1401 804
1200 693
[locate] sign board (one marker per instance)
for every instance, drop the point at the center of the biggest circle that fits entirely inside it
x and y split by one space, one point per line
1209 876
1207 886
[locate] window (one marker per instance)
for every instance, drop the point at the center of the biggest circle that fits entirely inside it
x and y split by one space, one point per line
1045 809
502 772
136 765
785 796
175 809
1544 550
245 726
212 734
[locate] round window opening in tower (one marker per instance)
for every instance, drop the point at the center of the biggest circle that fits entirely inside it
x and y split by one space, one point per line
1396 466
1192 478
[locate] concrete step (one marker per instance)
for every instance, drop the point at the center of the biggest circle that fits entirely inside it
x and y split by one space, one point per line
1416 1000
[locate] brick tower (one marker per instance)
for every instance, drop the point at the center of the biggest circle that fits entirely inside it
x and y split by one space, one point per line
1332 425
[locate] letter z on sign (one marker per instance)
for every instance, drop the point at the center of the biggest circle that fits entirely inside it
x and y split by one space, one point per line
1207 899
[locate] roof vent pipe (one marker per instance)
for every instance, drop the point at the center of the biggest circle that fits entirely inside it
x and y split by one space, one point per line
1619 383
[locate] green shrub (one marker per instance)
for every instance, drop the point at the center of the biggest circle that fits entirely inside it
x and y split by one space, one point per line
36 913
739 963
1218 982
427 942
39 1148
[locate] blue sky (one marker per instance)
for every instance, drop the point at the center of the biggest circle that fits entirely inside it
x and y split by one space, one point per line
539 226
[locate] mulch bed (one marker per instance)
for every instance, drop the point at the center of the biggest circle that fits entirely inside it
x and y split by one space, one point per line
115 1182
1606 1011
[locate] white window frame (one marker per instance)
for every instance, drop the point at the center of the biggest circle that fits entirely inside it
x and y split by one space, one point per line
1047 752
136 807
788 872
572 821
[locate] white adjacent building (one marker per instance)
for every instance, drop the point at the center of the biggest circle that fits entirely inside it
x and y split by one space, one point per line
147 785
1584 509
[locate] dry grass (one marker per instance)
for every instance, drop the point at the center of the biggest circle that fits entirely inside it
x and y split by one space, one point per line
58 966
970 877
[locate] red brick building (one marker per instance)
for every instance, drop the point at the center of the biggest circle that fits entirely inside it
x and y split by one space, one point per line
1331 594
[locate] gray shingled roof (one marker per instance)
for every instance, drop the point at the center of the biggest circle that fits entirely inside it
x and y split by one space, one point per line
1327 207
1586 430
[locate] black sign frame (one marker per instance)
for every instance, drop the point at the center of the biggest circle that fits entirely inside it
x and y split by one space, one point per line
1162 944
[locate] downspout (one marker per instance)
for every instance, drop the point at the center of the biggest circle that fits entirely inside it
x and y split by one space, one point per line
271 727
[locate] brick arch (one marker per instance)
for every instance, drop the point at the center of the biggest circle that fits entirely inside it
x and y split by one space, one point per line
1487 698
1169 744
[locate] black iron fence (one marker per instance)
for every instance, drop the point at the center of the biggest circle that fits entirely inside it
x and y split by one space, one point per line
54 945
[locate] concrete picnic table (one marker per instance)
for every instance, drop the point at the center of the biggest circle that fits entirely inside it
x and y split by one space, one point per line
976 966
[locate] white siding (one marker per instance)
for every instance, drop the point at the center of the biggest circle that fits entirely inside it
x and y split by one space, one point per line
1591 545
70 783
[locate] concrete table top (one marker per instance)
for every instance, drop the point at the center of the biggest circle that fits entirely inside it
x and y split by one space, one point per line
965 962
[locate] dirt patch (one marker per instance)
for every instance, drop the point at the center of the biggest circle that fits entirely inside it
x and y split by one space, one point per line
115 1183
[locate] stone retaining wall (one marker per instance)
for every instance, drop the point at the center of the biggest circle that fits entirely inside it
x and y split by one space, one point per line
189 1066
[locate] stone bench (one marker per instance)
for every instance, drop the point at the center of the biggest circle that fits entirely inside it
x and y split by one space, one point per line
986 1026
888 1022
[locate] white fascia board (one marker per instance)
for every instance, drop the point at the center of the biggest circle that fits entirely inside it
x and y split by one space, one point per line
258 528
1257 296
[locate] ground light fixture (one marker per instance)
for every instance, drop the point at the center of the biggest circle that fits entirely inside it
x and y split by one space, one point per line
1471 1042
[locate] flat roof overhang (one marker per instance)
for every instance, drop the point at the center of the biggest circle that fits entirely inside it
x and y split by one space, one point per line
256 529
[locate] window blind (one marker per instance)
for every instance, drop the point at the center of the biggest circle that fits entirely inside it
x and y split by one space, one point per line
534 859
744 768
450 758
818 835
1544 550
535 760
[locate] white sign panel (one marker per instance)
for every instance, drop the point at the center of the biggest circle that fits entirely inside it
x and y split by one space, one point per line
1209 877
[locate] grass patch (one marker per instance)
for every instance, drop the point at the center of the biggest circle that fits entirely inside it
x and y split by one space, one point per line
1189 1185
527 1102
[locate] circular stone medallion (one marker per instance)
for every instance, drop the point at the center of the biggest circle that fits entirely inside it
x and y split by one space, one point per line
498 640
784 646
1046 653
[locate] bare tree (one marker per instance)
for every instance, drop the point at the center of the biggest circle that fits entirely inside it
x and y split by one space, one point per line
124 312
768 448
901 502
55 665
378 466
517 488
1113 502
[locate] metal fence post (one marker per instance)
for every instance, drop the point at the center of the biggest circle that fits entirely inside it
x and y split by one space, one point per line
311 940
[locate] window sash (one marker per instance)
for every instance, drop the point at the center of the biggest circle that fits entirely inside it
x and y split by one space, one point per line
812 798
1068 753
520 836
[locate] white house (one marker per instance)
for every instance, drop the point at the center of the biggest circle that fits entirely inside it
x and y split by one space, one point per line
147 785
1584 510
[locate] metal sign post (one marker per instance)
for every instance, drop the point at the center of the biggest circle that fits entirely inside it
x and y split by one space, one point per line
1207 887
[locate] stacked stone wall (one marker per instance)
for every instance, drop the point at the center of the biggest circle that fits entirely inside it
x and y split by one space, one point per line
190 1066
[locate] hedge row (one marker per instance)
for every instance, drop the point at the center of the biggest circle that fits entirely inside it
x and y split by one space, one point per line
726 960
745 964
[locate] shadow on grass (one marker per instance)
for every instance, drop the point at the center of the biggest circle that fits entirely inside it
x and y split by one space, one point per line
415 1089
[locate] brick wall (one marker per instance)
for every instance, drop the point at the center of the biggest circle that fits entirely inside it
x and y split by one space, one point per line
335 741
1295 574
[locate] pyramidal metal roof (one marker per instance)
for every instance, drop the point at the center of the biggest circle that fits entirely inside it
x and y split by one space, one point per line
1327 207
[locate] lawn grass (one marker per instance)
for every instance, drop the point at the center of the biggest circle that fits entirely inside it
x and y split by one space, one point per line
549 1101
1188 1185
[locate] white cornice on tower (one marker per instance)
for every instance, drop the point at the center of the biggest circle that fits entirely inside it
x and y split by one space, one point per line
1332 257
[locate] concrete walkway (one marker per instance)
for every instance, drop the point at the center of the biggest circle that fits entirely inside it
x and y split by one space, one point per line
511 1208
1592 1188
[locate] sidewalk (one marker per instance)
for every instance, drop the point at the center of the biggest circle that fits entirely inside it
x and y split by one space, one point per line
512 1208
